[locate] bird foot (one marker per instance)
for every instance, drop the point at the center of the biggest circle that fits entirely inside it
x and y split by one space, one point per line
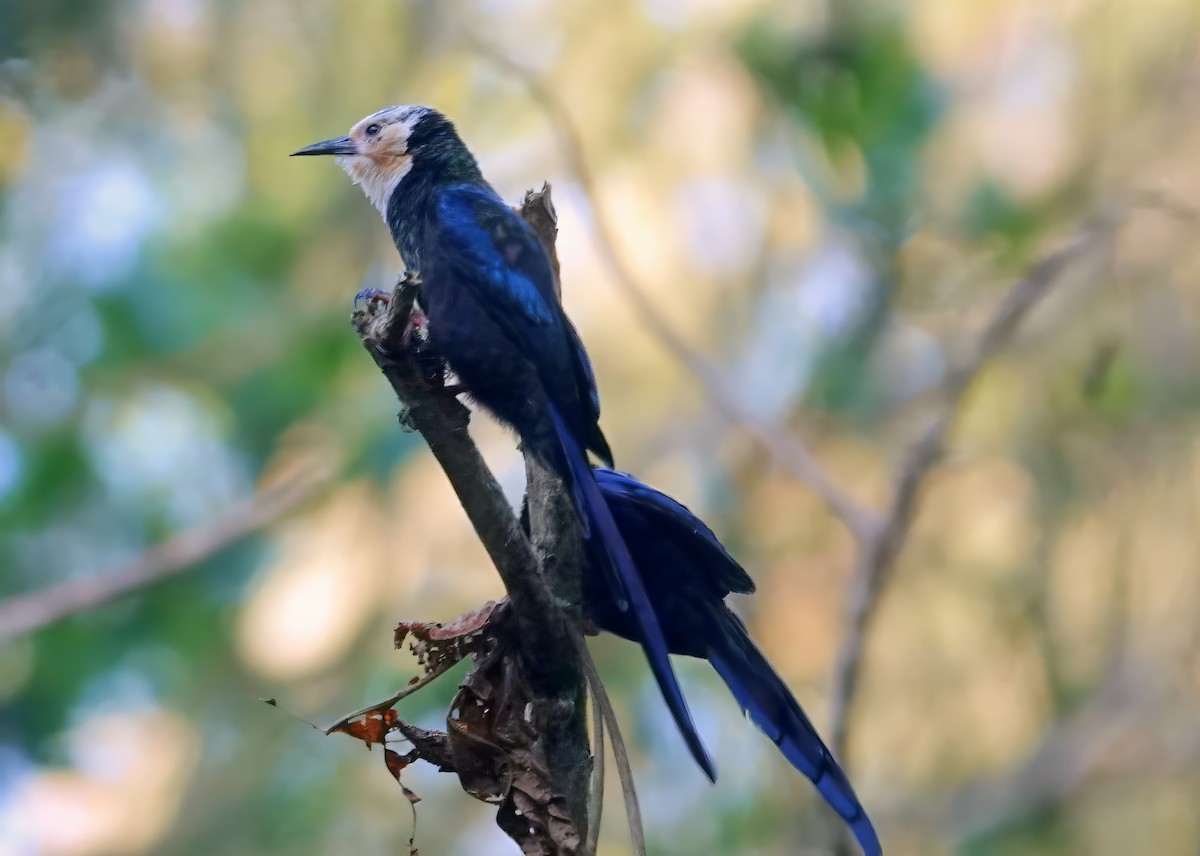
417 323
372 294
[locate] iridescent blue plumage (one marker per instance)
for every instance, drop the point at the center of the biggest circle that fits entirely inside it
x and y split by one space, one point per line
487 273
493 314
497 247
488 292
686 574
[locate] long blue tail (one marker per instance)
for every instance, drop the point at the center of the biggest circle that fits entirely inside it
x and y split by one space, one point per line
627 585
765 697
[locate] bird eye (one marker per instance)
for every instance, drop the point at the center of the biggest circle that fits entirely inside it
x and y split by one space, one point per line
373 129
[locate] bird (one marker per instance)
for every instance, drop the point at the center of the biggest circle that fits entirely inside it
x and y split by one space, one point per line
687 573
492 312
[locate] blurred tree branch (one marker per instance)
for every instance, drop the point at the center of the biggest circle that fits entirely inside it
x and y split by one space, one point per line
25 613
876 553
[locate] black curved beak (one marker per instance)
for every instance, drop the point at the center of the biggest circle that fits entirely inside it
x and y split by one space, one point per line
336 146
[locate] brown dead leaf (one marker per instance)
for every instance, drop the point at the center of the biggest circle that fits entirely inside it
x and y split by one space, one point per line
492 729
371 727
438 645
396 764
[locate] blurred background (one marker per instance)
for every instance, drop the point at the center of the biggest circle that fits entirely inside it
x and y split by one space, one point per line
825 200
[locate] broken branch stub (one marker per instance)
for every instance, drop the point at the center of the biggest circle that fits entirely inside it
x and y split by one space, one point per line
494 733
492 729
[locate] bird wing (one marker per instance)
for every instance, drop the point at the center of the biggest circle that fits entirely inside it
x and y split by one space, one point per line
585 378
722 572
492 250
496 253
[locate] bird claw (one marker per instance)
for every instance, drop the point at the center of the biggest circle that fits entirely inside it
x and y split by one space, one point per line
372 294
417 322
375 299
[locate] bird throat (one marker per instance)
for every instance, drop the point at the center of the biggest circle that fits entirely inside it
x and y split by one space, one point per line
378 177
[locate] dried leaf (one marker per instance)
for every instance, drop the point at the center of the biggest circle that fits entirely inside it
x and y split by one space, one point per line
437 645
371 727
491 730
396 764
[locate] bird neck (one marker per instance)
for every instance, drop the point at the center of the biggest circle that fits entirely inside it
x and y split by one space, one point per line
411 204
406 217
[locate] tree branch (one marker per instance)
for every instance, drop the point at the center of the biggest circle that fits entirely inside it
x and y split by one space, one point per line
25 613
442 422
542 575
1130 724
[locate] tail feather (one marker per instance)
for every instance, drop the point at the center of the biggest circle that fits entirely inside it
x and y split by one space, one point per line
630 593
769 703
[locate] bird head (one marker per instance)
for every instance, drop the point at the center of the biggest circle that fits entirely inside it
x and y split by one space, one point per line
381 149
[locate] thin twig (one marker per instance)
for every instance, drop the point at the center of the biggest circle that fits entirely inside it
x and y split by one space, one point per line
25 613
787 451
633 811
877 553
426 679
596 803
